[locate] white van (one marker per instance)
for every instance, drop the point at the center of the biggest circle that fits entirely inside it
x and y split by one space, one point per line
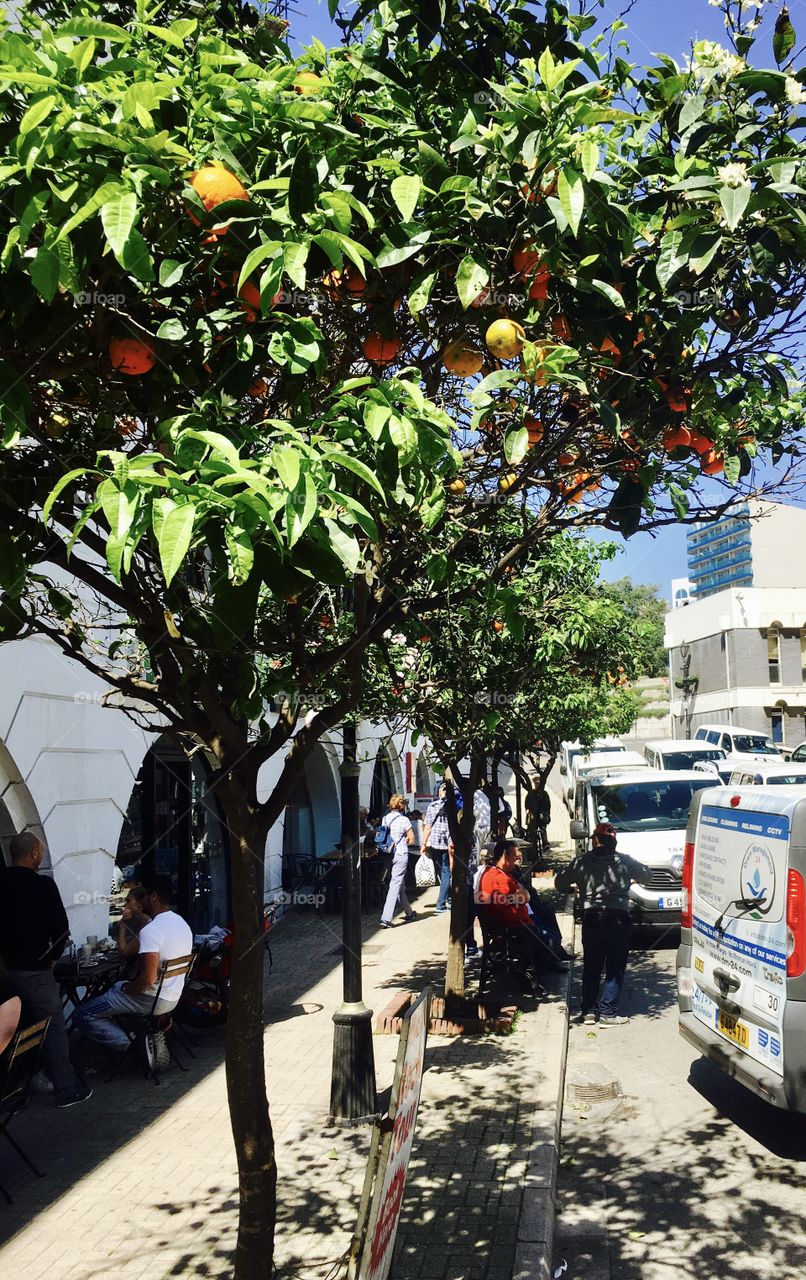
571 751
741 746
769 775
685 753
649 809
741 965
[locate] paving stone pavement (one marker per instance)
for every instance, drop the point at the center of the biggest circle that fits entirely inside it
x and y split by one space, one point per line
141 1180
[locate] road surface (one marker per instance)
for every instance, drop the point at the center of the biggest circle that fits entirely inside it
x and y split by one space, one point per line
687 1174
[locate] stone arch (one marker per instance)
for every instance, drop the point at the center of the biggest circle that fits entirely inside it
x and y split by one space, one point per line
17 809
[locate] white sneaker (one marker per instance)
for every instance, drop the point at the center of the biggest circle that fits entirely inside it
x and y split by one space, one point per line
41 1084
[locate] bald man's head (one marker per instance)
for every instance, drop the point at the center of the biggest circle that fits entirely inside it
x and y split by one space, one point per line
26 850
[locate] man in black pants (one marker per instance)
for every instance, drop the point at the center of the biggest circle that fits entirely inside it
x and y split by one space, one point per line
603 878
33 932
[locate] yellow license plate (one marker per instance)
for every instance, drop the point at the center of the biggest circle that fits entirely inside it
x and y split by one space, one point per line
734 1030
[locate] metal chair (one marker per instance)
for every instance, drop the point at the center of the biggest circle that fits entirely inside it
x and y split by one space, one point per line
18 1066
137 1027
505 950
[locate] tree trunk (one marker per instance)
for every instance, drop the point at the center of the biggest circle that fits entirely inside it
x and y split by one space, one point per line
462 834
245 1071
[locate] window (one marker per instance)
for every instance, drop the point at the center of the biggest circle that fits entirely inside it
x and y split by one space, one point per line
774 656
726 743
777 724
803 657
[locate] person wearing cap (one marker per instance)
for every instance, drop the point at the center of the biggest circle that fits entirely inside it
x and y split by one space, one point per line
602 876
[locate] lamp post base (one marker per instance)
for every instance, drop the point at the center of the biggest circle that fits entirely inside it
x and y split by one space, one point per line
352 1091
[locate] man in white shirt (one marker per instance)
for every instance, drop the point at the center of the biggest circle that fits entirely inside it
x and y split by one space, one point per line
166 937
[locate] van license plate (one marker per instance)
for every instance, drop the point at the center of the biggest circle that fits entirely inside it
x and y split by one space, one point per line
670 902
733 1029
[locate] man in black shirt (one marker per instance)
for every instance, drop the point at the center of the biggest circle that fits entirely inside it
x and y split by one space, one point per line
33 933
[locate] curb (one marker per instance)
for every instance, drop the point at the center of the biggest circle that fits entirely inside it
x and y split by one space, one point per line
534 1252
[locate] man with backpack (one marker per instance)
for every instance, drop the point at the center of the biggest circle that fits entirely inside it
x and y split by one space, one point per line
395 834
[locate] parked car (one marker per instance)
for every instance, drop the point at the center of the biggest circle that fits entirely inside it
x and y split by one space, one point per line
570 751
770 775
798 756
606 762
649 809
741 964
741 746
685 753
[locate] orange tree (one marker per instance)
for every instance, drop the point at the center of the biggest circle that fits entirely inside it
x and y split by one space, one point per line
275 332
498 667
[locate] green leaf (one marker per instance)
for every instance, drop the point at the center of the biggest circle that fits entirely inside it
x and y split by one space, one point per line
589 155
136 257
45 273
171 272
58 489
670 260
405 193
263 251
692 109
303 185
571 192
418 298
295 255
36 114
358 468
172 331
545 67
82 26
733 468
734 201
345 545
97 200
471 277
287 462
706 248
117 217
241 553
174 539
607 291
783 41
300 508
516 446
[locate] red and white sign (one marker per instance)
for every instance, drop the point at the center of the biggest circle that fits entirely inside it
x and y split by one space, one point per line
379 1242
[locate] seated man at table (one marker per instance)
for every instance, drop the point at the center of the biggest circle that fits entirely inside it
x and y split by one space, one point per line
506 902
33 933
166 937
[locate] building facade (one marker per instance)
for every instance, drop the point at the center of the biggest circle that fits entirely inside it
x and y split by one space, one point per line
747 548
104 794
682 592
739 657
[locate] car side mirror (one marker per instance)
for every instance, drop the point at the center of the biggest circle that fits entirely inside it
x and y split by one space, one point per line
578 830
787 755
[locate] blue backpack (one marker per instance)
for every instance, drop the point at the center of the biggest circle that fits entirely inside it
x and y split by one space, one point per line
383 839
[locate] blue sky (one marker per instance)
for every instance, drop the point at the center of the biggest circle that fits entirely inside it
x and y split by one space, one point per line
665 26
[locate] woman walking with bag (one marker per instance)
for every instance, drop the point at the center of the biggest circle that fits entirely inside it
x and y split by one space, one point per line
400 836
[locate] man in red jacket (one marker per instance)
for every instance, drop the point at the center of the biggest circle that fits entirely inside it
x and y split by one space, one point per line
506 902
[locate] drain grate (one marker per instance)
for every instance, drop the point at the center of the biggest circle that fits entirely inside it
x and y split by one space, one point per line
591 1083
368 949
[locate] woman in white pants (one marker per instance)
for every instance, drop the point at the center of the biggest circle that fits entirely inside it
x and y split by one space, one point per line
401 835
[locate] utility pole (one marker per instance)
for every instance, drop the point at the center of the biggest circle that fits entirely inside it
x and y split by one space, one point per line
352 1087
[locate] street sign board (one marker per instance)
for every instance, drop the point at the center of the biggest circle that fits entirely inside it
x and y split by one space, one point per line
379 1214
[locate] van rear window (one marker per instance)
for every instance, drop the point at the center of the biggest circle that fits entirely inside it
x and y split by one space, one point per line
646 806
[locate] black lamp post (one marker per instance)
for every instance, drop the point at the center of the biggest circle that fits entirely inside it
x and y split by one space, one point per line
352 1086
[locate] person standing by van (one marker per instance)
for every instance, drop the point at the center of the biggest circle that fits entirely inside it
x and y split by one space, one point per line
401 835
603 877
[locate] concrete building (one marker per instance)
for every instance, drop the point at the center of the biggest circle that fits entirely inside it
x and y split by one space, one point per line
744 548
739 657
682 592
104 793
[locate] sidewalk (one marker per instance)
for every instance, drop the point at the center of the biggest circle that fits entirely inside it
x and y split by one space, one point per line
141 1180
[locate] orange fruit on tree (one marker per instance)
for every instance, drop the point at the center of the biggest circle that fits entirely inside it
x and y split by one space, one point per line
214 184
506 482
699 442
609 348
307 83
567 458
527 261
258 388
712 462
676 438
481 298
498 625
132 356
505 339
561 328
456 487
380 350
353 280
250 294
678 399
462 358
534 428
538 289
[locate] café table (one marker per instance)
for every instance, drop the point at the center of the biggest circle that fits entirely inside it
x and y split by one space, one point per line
83 979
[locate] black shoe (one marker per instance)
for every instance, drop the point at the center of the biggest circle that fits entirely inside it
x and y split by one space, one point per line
82 1093
385 924
408 919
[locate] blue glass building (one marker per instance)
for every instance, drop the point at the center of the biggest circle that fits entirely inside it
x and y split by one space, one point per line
720 553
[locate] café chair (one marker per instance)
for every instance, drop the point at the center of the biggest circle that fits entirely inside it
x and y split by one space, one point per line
504 951
18 1066
141 1029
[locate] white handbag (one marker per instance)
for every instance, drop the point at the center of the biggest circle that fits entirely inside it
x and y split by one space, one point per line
425 876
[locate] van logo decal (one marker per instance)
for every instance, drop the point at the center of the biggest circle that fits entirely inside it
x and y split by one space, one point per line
757 878
775 1045
763 1039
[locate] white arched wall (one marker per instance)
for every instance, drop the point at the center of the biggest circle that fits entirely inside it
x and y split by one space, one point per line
324 788
78 760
